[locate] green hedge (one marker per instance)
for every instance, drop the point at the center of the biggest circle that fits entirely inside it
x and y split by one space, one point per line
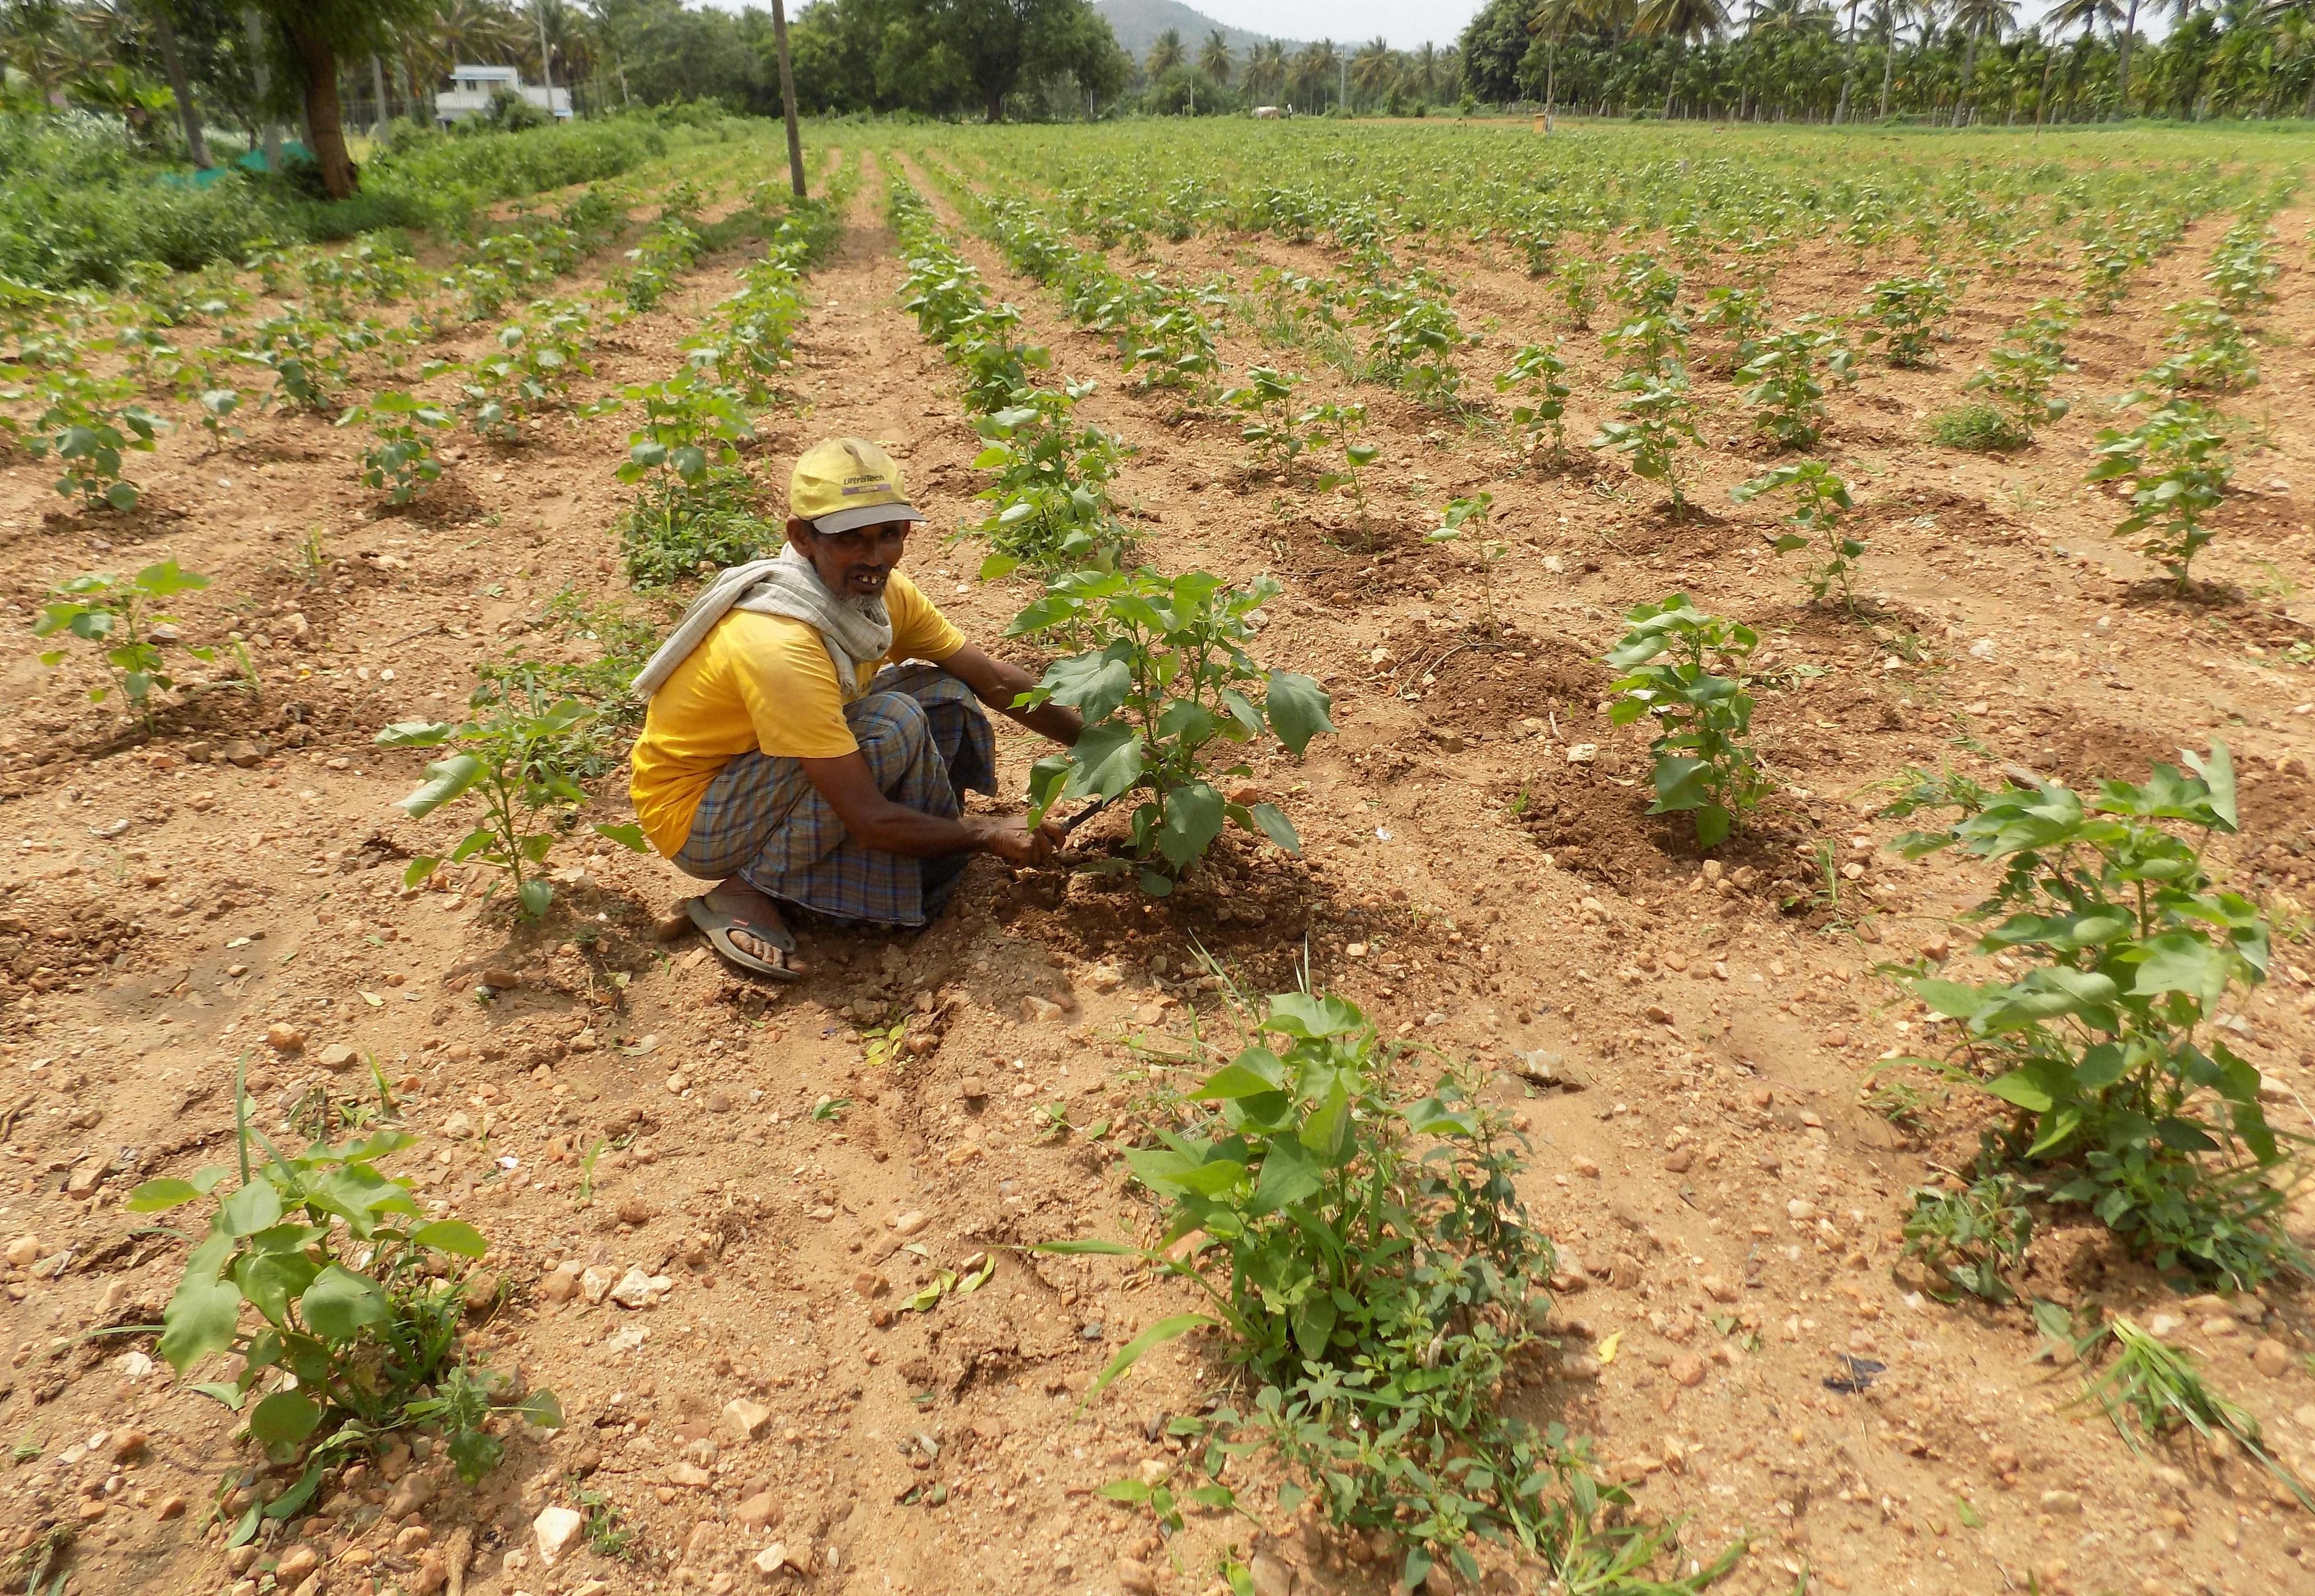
77 205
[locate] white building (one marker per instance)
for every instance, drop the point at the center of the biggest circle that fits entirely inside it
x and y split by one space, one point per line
472 89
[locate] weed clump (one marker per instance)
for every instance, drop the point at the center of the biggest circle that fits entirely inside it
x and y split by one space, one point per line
1976 429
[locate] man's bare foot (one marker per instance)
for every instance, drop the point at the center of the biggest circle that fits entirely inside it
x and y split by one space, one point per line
756 922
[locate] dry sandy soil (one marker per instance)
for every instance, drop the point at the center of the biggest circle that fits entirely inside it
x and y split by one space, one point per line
1726 1209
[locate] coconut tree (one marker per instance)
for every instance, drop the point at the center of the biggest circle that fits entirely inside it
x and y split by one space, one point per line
1315 69
1679 20
1847 65
1373 68
1164 53
1979 20
1214 58
1426 69
1265 63
2086 15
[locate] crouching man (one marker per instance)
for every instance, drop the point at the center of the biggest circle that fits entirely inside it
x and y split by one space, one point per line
814 720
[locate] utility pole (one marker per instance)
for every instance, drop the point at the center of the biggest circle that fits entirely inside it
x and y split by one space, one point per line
787 95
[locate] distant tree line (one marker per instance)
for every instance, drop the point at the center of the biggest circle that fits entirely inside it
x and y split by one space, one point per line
1956 61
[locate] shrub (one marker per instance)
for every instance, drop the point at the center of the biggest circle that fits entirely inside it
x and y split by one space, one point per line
1704 761
341 1301
1784 384
1266 401
1970 1239
1050 499
2019 373
400 458
1659 416
1167 677
2122 1096
677 532
87 422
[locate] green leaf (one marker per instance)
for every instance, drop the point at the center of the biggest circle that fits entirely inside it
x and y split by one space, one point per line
627 835
340 1303
284 1419
2185 961
451 1236
1289 1175
1251 1073
419 867
414 734
1314 1323
445 779
542 1408
1307 1018
199 1318
290 1502
1090 1246
1299 709
1193 818
536 895
257 1206
2022 1087
1107 760
157 1196
1276 827
1164 1330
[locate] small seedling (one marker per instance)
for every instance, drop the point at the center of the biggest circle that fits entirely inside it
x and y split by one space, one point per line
831 1110
513 753
1821 504
1465 521
1540 375
1705 765
115 616
2178 468
400 458
1167 676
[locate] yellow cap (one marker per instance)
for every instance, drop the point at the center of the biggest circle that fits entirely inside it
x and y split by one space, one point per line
847 483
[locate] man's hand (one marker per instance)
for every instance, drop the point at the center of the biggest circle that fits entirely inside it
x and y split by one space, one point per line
1010 838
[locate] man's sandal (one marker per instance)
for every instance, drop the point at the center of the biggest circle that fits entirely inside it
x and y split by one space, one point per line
717 925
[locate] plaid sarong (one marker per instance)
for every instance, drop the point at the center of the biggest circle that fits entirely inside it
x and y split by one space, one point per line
926 740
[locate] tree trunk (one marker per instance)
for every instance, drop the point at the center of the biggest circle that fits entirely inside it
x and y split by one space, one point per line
188 112
268 135
1550 81
2042 100
995 108
377 92
2122 65
1671 82
1888 59
317 62
1968 67
1848 71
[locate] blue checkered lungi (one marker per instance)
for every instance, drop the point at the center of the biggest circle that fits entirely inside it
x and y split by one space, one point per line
926 740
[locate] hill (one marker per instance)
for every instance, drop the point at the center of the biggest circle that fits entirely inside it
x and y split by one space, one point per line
1137 22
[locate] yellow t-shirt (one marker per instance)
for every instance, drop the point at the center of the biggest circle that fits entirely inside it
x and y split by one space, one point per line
761 682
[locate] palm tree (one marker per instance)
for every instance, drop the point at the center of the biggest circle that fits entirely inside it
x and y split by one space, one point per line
1555 20
1427 72
1372 68
1165 53
1214 58
1847 65
1679 20
2121 62
1315 69
1979 20
1895 14
1265 63
2086 13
